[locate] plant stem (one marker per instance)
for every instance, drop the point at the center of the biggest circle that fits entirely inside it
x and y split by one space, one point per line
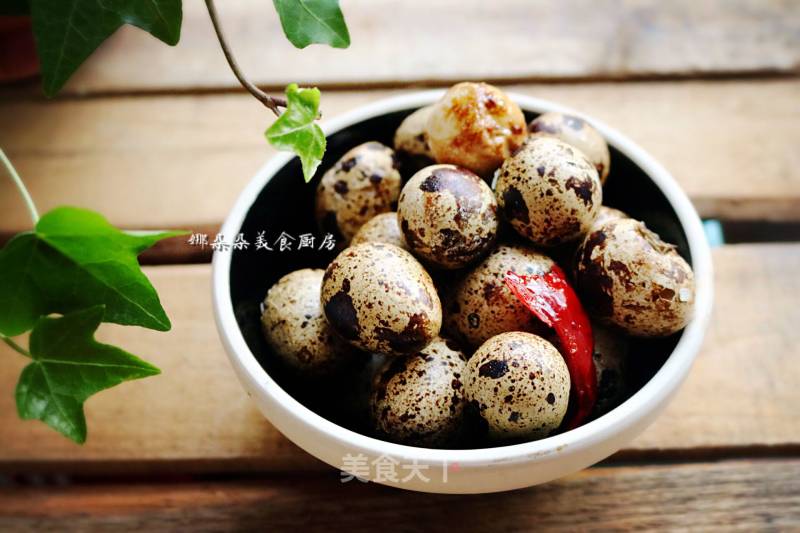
21 186
273 103
16 347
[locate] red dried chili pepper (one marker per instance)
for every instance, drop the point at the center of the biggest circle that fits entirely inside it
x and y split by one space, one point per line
553 301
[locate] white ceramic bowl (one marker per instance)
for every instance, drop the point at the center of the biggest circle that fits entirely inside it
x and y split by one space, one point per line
473 470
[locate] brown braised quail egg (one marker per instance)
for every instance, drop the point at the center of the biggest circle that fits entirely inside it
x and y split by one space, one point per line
379 298
576 132
519 384
295 327
480 305
412 135
448 215
475 126
418 398
362 184
549 192
380 228
629 277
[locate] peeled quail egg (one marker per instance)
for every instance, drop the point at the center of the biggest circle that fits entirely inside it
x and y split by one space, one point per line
475 126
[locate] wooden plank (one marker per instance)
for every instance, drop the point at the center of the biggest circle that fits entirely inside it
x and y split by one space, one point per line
727 496
181 162
740 395
447 40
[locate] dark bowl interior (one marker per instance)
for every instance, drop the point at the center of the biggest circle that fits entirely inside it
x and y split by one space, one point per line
286 204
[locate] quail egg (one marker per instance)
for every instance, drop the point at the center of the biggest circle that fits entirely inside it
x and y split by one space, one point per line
577 132
519 384
475 126
632 279
295 327
418 398
363 183
380 299
381 228
480 305
448 215
607 214
549 192
412 135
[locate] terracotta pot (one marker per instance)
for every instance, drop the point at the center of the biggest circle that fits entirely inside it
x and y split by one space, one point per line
18 59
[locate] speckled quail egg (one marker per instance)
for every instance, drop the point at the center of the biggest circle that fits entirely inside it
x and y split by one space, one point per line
475 126
629 277
480 305
381 228
411 136
379 298
362 184
418 399
607 214
549 192
448 215
610 363
577 132
519 384
295 328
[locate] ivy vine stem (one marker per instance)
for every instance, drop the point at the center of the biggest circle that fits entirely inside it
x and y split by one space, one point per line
272 102
14 346
23 191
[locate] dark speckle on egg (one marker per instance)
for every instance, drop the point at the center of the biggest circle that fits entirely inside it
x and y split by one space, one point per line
514 405
418 398
448 216
379 298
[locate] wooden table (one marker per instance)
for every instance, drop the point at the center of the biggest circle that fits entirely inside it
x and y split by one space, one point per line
156 137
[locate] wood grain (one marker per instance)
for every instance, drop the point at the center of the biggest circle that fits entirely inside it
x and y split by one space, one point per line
727 496
741 393
461 39
181 162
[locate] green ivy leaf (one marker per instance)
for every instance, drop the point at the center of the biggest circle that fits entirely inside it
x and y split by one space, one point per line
68 367
296 131
313 21
68 31
73 260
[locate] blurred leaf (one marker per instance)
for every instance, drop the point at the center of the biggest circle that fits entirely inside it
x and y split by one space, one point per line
68 31
313 21
68 367
75 259
296 130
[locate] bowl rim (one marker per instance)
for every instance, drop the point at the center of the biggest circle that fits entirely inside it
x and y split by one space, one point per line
635 409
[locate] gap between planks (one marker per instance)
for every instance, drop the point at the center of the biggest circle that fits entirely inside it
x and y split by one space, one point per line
180 162
741 495
740 395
